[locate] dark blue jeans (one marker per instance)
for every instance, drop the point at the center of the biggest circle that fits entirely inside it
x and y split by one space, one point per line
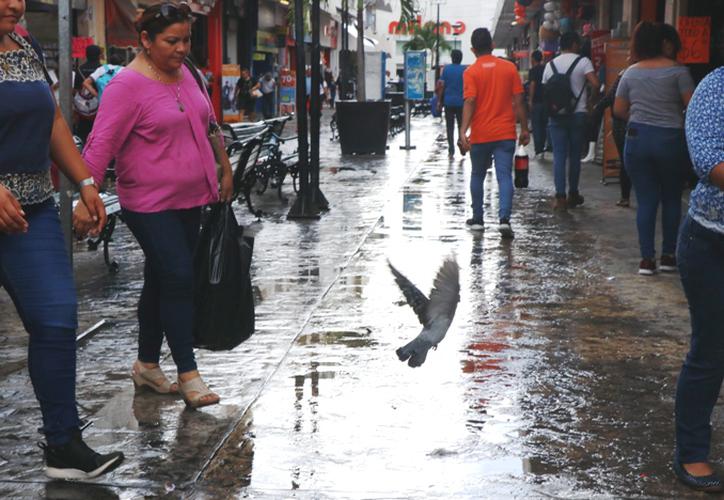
655 161
168 239
480 156
36 272
701 266
567 136
539 123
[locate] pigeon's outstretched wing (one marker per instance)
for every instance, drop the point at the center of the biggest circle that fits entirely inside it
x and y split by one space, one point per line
413 295
445 293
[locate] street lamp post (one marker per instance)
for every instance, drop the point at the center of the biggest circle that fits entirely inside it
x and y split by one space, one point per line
437 40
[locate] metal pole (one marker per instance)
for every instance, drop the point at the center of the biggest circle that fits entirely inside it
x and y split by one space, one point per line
437 46
65 86
302 208
315 105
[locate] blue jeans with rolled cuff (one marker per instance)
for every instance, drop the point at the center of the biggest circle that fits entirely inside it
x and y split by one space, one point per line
168 239
37 274
480 155
701 267
655 159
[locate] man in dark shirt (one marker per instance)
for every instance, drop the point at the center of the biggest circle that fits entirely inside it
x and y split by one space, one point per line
92 62
539 117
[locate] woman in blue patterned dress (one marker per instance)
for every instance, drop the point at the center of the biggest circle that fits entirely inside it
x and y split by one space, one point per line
701 266
34 267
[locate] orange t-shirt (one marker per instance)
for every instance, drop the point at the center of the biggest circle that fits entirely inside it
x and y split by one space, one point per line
492 82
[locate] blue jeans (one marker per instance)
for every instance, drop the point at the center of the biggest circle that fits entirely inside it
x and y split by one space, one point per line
481 154
37 274
168 239
567 136
539 123
655 161
701 266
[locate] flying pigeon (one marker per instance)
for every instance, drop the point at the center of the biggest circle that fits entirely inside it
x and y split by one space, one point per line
435 314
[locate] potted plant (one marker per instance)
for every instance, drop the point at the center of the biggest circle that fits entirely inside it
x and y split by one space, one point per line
363 125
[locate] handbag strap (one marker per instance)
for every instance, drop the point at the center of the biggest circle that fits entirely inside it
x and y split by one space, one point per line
213 126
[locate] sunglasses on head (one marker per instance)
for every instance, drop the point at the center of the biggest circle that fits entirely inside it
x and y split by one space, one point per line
174 12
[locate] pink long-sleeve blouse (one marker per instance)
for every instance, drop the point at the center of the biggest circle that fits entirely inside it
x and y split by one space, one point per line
163 157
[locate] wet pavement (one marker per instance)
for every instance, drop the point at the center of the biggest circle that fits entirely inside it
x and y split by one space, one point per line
556 378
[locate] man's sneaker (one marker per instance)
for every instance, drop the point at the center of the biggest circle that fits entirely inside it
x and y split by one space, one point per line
475 224
75 460
668 264
574 200
647 267
505 230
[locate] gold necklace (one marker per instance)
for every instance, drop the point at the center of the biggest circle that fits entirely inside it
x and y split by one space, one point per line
178 85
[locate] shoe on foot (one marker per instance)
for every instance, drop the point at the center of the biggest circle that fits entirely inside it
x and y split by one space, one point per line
647 267
560 203
451 153
475 224
574 200
711 483
197 394
153 378
668 264
75 460
505 230
623 202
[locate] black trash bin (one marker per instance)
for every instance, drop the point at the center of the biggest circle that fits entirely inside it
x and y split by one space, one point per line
363 126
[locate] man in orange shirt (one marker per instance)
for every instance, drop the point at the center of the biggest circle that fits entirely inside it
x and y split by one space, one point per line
493 96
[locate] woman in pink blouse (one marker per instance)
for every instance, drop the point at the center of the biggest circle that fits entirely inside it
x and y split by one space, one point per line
153 121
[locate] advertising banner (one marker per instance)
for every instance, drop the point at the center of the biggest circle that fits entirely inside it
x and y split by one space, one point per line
287 91
230 74
695 33
415 68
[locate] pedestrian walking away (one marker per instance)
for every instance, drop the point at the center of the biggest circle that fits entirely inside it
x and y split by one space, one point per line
154 112
452 97
84 121
539 116
701 265
34 266
652 97
564 79
493 96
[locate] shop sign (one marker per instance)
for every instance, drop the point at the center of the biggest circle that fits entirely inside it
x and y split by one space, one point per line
446 28
287 91
695 33
79 44
230 74
415 67
266 41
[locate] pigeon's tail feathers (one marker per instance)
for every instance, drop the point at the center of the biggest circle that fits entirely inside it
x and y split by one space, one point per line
415 351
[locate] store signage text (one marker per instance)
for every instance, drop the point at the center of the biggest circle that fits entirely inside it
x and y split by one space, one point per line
446 28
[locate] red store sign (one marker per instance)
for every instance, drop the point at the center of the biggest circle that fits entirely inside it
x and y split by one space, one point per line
446 28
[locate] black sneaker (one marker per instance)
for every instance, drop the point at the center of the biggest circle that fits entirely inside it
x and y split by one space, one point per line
506 232
647 267
75 460
475 224
668 264
574 200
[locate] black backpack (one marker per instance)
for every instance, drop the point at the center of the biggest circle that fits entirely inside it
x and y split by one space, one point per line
559 97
